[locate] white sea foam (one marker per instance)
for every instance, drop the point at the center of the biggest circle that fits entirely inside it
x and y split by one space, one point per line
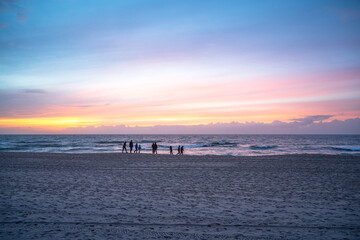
346 148
263 147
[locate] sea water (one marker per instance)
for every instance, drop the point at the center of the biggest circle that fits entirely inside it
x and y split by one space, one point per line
235 145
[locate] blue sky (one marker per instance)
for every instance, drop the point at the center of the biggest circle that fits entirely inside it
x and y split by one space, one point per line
128 30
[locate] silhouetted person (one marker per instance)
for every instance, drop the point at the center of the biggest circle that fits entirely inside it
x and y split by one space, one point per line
136 148
171 152
182 150
124 147
139 148
178 150
131 146
155 148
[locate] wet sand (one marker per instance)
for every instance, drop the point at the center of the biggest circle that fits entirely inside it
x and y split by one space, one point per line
143 196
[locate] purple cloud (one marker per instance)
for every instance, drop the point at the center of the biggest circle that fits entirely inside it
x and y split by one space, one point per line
3 25
21 17
36 91
311 119
13 5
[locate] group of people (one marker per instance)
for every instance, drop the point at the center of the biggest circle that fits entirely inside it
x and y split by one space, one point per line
180 150
131 146
154 147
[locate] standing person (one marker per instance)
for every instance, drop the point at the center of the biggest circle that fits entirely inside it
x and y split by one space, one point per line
153 148
178 150
139 148
131 145
156 148
171 152
182 150
136 148
124 148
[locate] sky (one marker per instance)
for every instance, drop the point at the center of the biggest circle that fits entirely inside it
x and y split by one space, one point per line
92 66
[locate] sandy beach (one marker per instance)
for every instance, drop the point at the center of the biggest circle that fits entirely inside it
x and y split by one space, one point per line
142 196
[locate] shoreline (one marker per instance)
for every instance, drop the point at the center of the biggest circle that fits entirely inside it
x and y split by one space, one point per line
185 155
235 145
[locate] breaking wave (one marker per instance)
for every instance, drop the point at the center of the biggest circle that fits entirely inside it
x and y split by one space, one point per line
203 145
121 142
263 147
346 148
222 144
110 142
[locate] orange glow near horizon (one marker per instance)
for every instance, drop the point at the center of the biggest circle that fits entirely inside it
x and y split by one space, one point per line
197 116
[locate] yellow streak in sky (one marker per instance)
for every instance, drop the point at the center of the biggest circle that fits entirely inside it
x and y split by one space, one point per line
46 122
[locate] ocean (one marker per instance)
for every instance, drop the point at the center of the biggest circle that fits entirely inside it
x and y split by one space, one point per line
235 145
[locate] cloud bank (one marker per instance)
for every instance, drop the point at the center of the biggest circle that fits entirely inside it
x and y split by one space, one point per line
307 125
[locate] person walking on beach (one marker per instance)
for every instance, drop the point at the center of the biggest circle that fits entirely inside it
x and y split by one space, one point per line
139 148
124 148
155 148
171 152
182 150
131 146
178 150
136 148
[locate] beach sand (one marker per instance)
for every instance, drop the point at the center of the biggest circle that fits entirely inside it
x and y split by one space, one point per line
142 196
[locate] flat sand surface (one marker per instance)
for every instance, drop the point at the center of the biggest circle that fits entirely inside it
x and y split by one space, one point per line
142 196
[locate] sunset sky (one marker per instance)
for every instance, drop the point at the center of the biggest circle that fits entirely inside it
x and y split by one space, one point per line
67 64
